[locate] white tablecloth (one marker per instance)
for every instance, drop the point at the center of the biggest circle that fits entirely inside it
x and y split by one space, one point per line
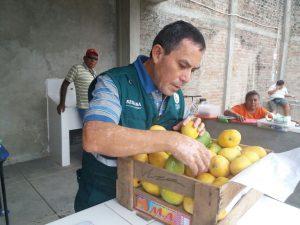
265 211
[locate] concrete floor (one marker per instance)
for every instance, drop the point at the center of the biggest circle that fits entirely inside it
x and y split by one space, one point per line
41 191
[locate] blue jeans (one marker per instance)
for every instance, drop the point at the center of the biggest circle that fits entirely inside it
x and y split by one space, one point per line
81 113
280 101
277 101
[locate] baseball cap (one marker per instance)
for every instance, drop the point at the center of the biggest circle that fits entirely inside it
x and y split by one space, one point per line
91 53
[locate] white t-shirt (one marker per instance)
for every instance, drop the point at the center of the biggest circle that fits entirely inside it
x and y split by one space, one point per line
279 93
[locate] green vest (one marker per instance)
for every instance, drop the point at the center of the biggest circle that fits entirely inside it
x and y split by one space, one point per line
138 108
97 182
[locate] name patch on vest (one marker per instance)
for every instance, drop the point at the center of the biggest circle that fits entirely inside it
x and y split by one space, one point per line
176 100
133 104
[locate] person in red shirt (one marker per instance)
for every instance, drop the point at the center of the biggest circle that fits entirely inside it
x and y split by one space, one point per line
251 109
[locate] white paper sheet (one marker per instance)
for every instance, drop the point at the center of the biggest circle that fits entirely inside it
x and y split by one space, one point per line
269 211
276 175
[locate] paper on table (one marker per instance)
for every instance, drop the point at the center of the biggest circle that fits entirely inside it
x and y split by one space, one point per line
269 211
275 175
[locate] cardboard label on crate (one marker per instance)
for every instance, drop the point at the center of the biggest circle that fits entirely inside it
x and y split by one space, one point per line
161 212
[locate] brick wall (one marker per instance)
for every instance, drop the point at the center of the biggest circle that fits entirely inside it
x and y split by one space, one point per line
292 75
253 61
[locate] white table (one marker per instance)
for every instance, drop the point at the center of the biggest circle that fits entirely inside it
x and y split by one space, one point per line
265 211
59 126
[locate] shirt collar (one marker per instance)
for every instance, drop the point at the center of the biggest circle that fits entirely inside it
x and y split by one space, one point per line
144 76
85 66
92 71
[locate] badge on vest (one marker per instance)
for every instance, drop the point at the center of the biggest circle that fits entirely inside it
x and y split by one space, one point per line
176 100
133 104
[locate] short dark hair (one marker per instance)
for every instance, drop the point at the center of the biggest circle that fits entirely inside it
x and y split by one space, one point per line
280 82
172 34
251 93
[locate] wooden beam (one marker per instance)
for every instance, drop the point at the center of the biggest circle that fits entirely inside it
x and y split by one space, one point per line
128 13
229 53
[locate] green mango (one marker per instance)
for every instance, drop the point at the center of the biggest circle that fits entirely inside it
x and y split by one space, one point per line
205 139
215 147
174 165
171 197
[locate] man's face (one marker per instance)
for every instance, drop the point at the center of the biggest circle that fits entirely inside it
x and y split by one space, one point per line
280 86
174 70
90 61
252 102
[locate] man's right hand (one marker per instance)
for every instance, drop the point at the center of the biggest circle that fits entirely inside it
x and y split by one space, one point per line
191 152
239 118
60 108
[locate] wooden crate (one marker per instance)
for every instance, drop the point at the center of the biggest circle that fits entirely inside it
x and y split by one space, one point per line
209 200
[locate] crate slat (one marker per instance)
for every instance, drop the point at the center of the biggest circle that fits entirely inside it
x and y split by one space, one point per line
228 191
165 179
206 204
124 184
241 207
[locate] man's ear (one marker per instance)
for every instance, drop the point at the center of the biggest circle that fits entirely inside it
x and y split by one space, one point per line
157 52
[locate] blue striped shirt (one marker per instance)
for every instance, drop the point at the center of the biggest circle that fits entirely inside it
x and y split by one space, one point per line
105 105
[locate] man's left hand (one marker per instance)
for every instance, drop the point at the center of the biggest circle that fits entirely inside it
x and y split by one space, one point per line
197 124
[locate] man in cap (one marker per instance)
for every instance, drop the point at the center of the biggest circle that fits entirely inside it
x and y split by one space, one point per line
82 75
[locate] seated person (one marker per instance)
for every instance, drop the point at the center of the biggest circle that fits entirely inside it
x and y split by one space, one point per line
277 93
251 109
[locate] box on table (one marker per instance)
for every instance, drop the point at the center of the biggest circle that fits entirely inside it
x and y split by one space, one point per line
209 200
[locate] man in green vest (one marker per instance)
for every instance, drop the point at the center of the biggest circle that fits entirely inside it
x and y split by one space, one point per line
126 101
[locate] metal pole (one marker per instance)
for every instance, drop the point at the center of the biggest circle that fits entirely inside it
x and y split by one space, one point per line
4 194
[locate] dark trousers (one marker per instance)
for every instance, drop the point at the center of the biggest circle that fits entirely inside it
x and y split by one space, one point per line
97 183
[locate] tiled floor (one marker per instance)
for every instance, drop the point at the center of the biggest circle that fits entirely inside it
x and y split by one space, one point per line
41 191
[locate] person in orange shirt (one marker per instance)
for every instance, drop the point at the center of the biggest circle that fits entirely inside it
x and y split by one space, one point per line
251 109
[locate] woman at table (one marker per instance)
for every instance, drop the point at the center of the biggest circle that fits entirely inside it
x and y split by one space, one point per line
251 109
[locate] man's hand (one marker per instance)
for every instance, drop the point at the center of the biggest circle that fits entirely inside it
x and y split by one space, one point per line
290 96
60 108
191 152
269 116
197 124
239 118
